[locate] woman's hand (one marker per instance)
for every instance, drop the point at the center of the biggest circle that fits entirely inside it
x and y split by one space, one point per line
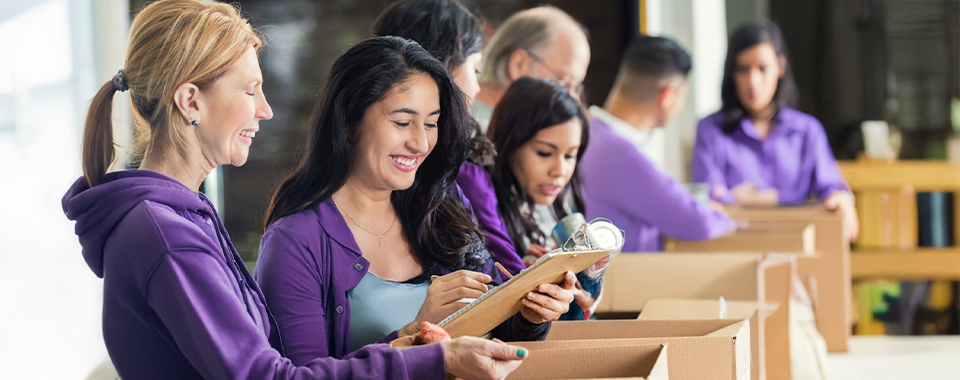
747 194
442 297
550 301
472 358
583 298
842 201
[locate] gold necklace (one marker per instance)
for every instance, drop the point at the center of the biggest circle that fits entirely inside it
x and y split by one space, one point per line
379 236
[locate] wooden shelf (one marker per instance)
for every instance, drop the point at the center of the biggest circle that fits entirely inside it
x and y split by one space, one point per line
922 175
906 264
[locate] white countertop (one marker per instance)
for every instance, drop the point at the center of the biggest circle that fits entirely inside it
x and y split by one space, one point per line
898 357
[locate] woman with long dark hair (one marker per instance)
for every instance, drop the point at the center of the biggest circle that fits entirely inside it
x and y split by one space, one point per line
452 34
540 132
361 238
178 303
759 150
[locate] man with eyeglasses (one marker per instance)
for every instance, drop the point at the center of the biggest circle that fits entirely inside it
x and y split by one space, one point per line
542 42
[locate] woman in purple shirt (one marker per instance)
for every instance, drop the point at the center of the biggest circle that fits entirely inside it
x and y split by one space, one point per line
178 303
369 210
446 29
540 131
759 150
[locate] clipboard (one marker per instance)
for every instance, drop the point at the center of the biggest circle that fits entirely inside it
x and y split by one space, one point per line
588 244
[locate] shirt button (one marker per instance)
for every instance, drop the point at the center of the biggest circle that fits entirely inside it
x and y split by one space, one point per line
339 309
358 266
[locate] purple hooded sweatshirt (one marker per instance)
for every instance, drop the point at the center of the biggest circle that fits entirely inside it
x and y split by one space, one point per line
178 303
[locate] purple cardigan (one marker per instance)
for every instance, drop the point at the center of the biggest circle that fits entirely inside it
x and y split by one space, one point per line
308 262
478 189
623 185
178 303
795 158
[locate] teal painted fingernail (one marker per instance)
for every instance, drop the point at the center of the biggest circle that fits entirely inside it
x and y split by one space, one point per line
521 353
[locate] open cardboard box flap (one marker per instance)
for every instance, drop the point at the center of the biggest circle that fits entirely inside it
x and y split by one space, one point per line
557 360
699 349
633 280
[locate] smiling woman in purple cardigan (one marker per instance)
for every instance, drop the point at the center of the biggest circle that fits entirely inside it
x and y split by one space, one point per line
363 235
178 303
452 34
759 150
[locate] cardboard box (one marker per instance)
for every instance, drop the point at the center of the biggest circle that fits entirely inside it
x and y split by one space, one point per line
828 270
633 279
788 237
769 330
559 360
698 350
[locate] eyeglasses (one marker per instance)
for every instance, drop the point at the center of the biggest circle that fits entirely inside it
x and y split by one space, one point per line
575 87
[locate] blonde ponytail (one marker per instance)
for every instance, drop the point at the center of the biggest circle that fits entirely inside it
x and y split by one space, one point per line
98 147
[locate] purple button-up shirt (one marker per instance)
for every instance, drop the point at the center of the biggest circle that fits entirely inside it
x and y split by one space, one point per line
478 189
623 185
794 158
178 303
308 262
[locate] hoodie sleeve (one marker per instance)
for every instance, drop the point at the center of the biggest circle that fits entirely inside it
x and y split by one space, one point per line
194 298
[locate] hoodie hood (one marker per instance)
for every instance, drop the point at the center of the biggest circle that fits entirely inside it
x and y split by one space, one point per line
98 209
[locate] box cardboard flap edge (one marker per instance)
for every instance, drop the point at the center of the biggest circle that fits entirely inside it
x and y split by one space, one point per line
700 349
561 361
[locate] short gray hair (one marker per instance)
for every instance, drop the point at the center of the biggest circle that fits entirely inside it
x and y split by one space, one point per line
527 29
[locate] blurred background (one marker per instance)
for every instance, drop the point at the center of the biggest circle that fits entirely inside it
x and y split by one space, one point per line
854 60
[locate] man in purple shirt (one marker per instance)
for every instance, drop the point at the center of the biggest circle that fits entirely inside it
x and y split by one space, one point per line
620 182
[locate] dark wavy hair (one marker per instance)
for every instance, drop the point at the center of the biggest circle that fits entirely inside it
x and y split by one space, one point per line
437 226
529 105
450 32
745 37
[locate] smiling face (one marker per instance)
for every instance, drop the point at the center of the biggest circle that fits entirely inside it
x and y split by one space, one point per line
465 76
397 134
232 108
757 72
544 165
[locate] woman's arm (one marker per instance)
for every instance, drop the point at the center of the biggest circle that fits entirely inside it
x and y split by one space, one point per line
706 164
195 300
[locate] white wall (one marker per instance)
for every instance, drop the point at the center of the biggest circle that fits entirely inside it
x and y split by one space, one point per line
50 301
700 27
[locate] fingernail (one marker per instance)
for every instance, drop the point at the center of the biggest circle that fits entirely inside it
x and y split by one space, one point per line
521 353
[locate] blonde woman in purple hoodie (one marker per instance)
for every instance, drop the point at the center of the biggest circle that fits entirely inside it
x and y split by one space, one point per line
178 301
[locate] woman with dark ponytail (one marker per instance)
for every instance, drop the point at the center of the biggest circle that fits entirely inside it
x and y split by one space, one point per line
363 239
178 303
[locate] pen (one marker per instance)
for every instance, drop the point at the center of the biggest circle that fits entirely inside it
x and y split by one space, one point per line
502 269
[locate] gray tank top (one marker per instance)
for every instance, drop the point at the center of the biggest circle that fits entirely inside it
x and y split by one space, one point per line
378 307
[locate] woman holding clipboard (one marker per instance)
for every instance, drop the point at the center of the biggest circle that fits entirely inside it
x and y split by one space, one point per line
357 232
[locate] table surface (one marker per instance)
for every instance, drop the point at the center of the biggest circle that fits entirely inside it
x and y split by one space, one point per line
898 357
